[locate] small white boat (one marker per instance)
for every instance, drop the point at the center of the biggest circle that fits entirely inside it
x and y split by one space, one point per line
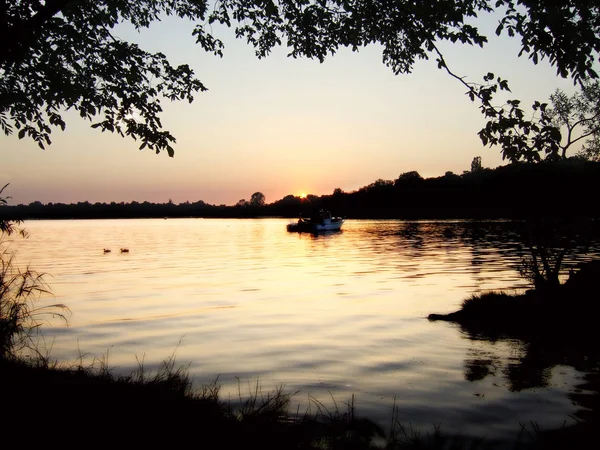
319 222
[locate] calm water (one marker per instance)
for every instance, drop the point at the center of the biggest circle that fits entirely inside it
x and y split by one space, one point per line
328 316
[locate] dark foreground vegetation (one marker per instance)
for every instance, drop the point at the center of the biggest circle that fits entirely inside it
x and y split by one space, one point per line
569 310
90 406
515 191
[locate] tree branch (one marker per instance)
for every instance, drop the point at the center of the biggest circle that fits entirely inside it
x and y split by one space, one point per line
18 38
570 129
442 64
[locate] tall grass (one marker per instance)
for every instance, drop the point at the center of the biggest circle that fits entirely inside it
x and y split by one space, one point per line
20 292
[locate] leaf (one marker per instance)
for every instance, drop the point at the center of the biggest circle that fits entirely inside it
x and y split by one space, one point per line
271 9
534 58
483 137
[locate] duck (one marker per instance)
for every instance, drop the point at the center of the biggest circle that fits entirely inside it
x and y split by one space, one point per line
107 250
124 250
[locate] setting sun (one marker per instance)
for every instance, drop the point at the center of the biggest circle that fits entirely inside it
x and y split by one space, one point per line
302 195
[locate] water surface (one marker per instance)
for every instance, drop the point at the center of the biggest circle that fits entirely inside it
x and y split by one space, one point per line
328 316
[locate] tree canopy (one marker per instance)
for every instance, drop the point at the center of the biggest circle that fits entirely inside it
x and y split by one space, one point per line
579 116
62 55
514 191
258 199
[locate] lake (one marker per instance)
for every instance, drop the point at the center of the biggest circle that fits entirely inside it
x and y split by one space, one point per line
328 316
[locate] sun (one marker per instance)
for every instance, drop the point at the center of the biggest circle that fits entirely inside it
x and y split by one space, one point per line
302 195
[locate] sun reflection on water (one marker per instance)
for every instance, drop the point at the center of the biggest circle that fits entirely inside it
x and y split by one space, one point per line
329 315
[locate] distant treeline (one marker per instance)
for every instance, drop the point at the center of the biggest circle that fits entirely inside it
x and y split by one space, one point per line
515 191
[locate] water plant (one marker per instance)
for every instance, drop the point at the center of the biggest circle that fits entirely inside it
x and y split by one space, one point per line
20 290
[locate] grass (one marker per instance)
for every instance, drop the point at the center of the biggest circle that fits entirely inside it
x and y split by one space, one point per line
88 404
20 315
567 312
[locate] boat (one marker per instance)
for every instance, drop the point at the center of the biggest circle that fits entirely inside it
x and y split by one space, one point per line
323 221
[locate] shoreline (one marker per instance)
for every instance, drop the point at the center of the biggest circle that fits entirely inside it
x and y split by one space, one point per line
164 409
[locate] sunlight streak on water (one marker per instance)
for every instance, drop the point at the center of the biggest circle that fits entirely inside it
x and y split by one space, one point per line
330 315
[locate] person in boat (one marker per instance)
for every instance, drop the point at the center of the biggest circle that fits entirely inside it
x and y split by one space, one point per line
318 217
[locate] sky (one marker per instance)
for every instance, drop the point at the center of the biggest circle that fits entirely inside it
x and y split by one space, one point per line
280 125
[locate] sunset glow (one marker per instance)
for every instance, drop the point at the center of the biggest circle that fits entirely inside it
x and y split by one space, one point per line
294 123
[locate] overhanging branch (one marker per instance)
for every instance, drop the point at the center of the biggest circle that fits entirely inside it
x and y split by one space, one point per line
18 38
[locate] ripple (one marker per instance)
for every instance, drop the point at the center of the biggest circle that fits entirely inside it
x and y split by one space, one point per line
328 316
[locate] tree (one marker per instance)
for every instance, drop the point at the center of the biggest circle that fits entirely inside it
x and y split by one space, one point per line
551 130
63 54
579 117
379 185
413 175
540 136
408 178
257 199
476 164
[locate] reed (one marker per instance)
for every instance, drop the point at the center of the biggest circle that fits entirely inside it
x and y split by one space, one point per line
21 314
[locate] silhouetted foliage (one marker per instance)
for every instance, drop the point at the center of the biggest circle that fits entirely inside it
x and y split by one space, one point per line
579 117
5 225
64 54
8 224
408 177
514 191
257 199
476 164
